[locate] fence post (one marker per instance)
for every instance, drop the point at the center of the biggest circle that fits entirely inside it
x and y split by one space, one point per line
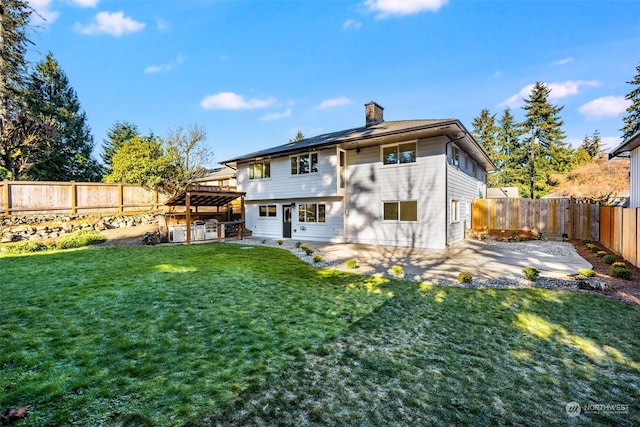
570 220
74 198
5 192
120 197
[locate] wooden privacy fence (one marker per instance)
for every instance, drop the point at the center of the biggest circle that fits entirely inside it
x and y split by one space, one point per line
620 232
561 218
39 197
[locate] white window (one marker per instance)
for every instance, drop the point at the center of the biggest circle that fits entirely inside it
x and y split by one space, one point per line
399 153
260 169
342 169
400 211
455 156
304 163
455 210
312 212
267 211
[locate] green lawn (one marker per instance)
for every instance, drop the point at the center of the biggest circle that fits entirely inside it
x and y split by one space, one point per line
220 334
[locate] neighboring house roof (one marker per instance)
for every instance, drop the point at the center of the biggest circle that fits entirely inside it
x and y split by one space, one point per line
224 172
379 133
503 192
630 144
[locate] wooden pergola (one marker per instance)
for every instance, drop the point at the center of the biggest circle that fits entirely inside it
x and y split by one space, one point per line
210 196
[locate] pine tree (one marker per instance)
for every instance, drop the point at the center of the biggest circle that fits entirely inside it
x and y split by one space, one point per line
117 135
67 156
543 135
513 154
632 119
484 131
14 21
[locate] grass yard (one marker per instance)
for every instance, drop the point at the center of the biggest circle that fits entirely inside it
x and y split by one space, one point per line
219 334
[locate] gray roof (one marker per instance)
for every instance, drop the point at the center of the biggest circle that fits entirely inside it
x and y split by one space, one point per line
629 144
334 138
218 173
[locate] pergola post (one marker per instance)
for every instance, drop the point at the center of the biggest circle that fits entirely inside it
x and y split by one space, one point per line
241 231
188 207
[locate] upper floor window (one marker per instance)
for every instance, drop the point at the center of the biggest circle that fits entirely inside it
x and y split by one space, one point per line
260 169
304 163
399 153
455 156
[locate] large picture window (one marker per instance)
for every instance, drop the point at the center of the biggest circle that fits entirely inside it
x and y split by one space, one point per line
267 211
400 211
312 212
399 153
260 170
304 164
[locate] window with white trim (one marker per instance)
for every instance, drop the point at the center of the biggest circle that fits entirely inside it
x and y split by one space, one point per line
455 210
399 153
267 211
312 212
455 156
260 169
304 164
400 210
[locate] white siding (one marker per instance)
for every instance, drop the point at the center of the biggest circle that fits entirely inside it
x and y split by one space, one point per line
370 184
634 201
269 227
464 189
283 185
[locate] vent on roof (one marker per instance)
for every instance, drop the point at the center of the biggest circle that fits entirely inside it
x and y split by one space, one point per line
373 113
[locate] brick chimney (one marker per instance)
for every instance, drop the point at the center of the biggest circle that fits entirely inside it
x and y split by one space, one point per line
373 113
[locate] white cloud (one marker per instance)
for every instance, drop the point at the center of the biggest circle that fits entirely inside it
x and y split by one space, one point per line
115 24
562 61
163 68
386 8
606 106
85 3
232 101
333 102
558 91
350 24
277 116
162 25
43 12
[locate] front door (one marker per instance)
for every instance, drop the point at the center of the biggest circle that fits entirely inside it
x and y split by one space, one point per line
286 221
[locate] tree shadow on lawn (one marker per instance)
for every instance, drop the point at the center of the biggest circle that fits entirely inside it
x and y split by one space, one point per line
441 356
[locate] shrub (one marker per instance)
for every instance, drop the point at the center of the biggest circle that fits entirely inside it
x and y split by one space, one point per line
298 244
595 248
304 246
601 254
586 272
590 246
621 272
465 278
531 273
609 259
280 242
619 264
585 241
264 241
317 258
308 250
352 263
26 247
396 271
80 238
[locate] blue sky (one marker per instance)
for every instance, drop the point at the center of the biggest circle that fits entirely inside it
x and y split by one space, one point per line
253 73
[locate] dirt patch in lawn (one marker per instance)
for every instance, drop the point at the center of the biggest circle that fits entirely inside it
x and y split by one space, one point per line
127 236
625 290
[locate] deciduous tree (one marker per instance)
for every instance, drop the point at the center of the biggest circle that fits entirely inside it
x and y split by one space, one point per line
599 179
186 144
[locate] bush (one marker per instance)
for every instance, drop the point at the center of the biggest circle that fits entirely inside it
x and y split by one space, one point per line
298 244
79 239
586 272
465 278
317 258
303 246
396 271
601 254
609 259
531 273
280 242
621 272
308 250
26 247
585 241
352 263
619 264
592 247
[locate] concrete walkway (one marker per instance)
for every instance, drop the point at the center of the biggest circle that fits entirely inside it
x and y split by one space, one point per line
490 260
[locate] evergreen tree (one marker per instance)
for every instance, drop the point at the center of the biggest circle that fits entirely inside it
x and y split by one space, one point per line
484 131
14 20
117 135
513 164
632 119
67 156
299 137
543 135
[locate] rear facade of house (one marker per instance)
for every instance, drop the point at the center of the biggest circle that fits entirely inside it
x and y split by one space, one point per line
399 183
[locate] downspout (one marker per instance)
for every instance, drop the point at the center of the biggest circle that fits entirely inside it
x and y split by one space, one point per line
446 187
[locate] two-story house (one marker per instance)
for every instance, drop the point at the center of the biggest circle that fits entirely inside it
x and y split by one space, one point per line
394 183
